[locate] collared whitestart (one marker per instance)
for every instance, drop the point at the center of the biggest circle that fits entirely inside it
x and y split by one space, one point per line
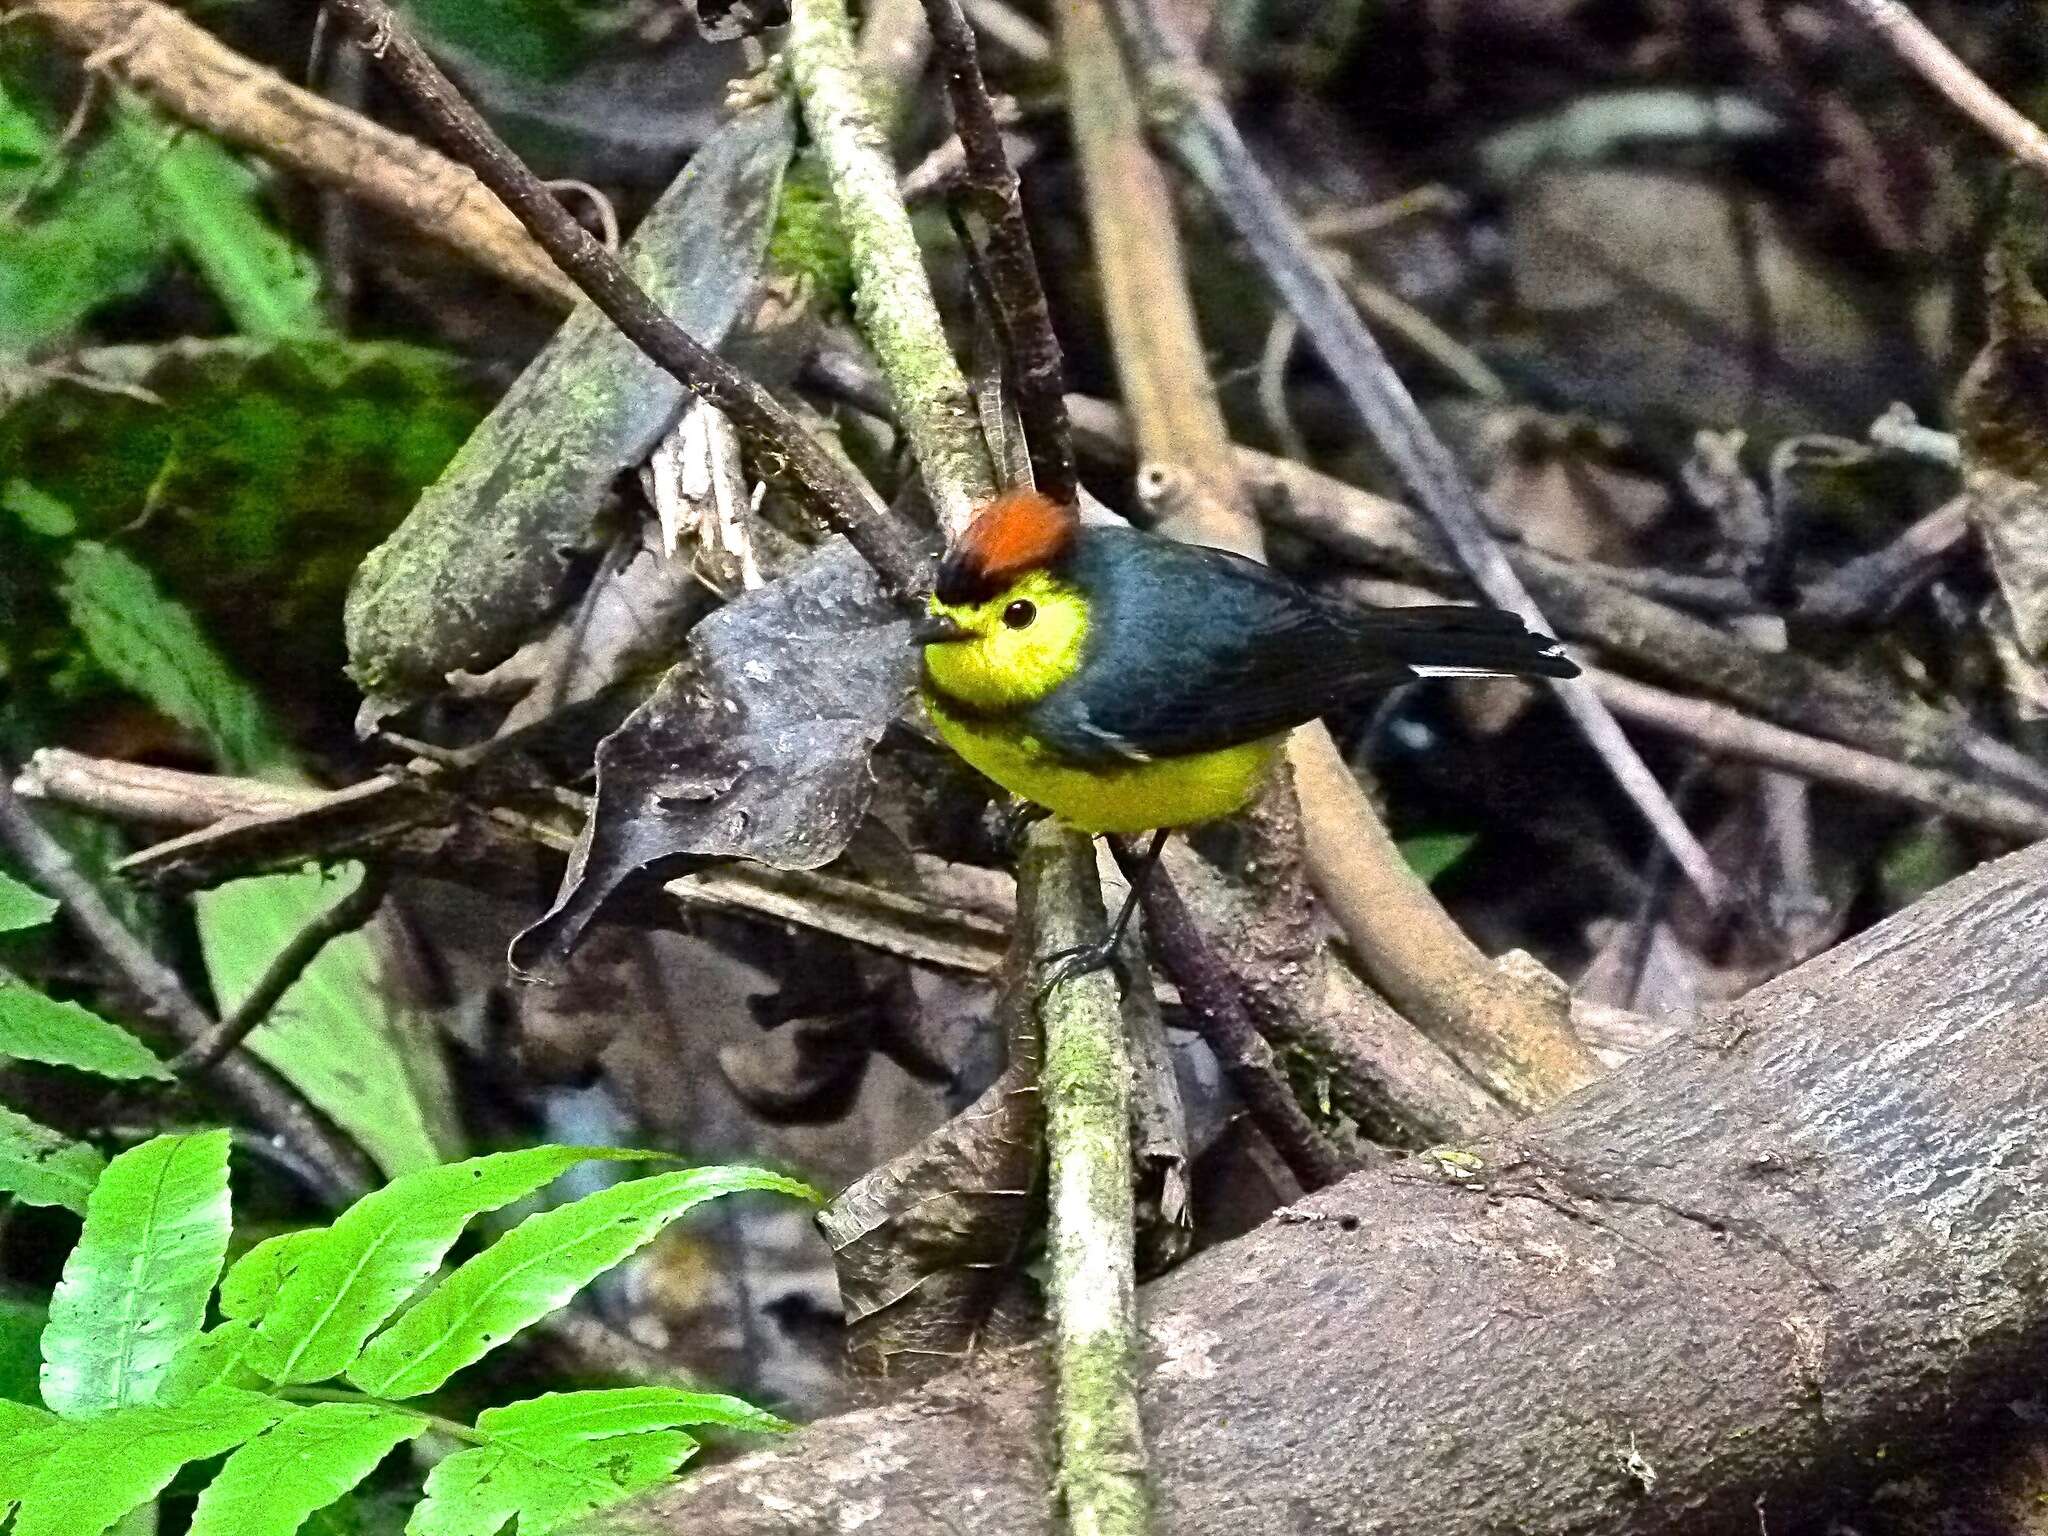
1128 683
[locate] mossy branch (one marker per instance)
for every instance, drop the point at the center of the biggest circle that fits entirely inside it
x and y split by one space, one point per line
892 299
1101 1482
1086 1082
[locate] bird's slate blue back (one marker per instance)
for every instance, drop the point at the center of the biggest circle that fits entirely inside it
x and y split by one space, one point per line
1193 650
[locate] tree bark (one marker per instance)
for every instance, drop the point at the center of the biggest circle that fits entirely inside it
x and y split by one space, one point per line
1794 1251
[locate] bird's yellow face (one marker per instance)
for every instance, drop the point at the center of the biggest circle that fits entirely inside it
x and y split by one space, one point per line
1012 650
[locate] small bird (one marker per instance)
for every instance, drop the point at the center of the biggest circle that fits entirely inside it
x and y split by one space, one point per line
1127 683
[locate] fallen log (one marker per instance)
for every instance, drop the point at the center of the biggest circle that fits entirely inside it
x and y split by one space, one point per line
1797 1250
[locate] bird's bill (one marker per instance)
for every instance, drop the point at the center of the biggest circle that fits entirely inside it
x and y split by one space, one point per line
938 629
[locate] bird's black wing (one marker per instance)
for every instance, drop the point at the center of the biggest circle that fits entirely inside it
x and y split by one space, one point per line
1193 650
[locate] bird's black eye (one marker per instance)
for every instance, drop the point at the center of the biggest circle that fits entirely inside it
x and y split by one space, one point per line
1020 613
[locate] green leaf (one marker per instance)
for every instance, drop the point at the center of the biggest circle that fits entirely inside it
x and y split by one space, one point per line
21 1348
151 646
219 1357
474 1492
1433 853
38 511
38 1028
39 1166
598 1414
252 1281
84 248
273 1483
535 1268
207 200
22 906
381 1249
335 1035
26 1435
23 143
134 1289
101 1469
539 39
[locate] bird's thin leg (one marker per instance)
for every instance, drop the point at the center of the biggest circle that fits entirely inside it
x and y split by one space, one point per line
1066 964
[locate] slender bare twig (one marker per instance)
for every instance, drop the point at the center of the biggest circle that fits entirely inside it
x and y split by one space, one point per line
198 79
1786 688
1936 63
1515 1039
1873 587
338 1169
354 909
1201 132
1731 733
1217 1011
781 449
958 918
1037 375
1011 29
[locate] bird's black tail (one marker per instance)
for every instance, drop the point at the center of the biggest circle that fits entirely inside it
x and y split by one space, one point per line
1458 640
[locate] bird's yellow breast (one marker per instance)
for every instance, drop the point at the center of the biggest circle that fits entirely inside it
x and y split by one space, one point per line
1125 797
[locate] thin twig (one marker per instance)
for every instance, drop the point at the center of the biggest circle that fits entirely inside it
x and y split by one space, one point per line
779 446
1871 588
1037 374
1215 1008
200 80
1937 64
341 1171
1011 29
1201 132
1514 1039
958 918
354 909
1730 733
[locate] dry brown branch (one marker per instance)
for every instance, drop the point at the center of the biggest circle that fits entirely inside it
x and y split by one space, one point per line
1037 373
1511 1037
337 1171
1932 59
1189 112
200 80
1730 733
958 919
1771 1262
1135 233
1400 1087
1216 1008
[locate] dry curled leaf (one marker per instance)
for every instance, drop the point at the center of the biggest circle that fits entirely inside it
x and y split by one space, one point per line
755 746
927 1245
